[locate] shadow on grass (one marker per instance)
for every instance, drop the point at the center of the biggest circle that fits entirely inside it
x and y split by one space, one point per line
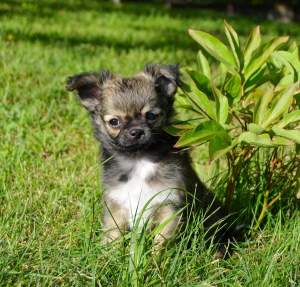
168 36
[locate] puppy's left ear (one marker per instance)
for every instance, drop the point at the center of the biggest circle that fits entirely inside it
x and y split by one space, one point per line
89 87
165 77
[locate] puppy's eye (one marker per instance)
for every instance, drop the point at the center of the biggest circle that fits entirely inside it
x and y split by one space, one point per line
115 123
151 117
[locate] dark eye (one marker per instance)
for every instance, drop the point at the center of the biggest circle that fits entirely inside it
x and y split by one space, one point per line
115 123
151 117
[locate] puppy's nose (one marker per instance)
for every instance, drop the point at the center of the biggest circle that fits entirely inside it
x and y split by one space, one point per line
137 133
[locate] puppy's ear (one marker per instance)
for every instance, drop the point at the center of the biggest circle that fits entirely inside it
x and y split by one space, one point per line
89 87
165 77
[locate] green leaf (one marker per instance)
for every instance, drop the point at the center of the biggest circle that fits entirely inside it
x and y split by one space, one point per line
234 44
215 48
282 62
292 61
252 44
203 64
289 119
297 148
252 139
294 49
178 130
292 135
222 68
298 182
221 105
201 82
253 97
284 83
280 141
262 54
228 128
233 88
280 106
186 107
199 100
255 79
256 129
203 132
219 146
221 79
261 106
272 76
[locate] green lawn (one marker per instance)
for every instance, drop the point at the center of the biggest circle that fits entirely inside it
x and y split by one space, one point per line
50 189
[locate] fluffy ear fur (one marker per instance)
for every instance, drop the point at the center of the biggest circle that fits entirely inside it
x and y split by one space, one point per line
89 87
165 78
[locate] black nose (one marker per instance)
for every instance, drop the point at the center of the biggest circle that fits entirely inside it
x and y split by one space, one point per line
137 133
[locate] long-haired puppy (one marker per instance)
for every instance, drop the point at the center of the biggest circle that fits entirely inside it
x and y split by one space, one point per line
128 115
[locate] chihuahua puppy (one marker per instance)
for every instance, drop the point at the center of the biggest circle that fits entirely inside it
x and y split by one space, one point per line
145 175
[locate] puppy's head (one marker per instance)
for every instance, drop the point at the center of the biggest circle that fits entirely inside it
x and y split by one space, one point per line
128 113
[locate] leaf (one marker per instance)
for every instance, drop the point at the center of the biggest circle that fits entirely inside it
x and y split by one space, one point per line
274 75
199 100
203 132
227 128
234 44
260 107
293 62
255 79
280 141
221 105
284 83
294 49
221 79
215 48
284 102
297 148
298 182
281 62
201 82
218 147
262 54
203 64
186 107
252 44
291 118
253 96
256 129
252 139
289 63
222 68
233 88
292 135
177 130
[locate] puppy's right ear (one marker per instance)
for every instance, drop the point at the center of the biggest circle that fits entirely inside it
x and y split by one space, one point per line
89 87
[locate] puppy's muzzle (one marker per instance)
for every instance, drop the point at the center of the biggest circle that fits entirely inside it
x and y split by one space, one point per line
137 133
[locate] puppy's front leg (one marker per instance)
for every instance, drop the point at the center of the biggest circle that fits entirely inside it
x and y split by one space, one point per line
162 214
114 222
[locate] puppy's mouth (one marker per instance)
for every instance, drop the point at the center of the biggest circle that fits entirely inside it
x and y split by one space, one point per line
134 147
133 140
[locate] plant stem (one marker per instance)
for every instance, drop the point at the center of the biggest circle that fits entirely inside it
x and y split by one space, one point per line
265 206
280 194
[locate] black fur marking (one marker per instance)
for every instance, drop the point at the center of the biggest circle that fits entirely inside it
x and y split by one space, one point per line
123 177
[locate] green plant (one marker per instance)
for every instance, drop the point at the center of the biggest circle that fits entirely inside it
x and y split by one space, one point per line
251 104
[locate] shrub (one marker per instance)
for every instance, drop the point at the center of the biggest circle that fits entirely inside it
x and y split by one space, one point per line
249 107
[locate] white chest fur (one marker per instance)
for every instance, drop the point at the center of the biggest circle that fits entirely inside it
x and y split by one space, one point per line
138 191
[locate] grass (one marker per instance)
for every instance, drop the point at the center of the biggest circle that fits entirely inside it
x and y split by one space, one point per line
50 189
